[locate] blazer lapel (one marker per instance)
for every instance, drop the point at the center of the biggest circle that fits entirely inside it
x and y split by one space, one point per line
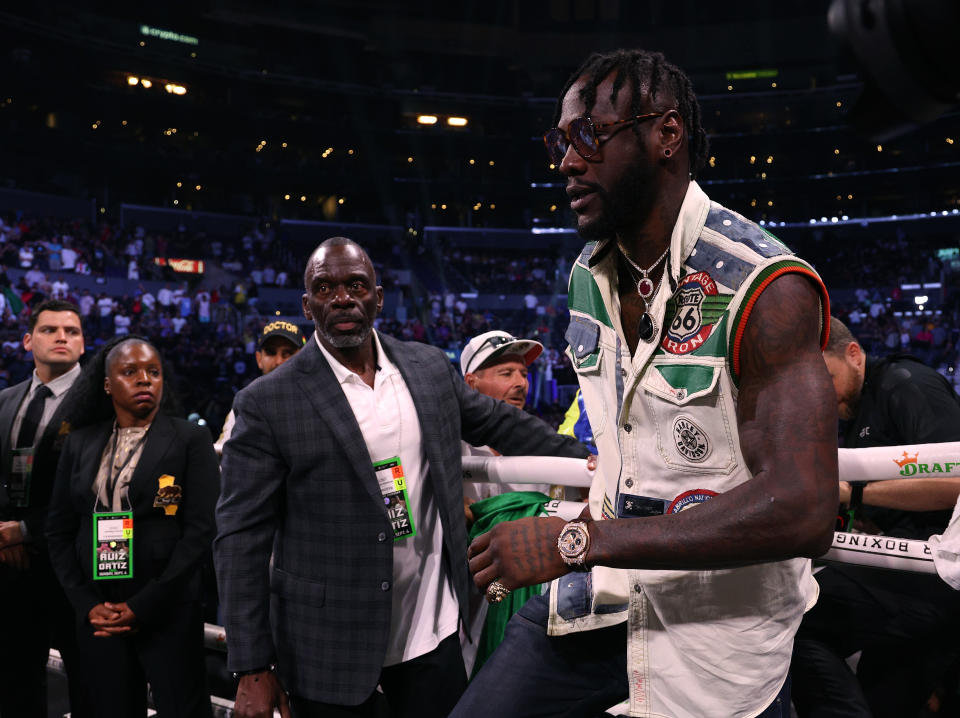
143 483
54 434
56 427
420 386
7 415
91 452
321 388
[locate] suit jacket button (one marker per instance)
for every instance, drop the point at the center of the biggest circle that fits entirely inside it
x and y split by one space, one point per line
381 537
385 586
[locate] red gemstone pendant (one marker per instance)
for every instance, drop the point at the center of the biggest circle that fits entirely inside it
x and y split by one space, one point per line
645 287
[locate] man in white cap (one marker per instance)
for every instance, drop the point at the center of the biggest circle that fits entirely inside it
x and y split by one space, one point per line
495 363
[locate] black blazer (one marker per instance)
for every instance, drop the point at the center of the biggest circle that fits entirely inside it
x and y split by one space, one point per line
44 462
167 550
298 482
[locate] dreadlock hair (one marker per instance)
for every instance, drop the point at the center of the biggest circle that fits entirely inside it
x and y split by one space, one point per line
87 403
650 76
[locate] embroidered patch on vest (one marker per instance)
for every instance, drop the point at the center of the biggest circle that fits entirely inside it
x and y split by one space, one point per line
690 440
630 506
690 498
697 307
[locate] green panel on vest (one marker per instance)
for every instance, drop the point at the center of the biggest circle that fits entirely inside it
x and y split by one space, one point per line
589 361
685 376
584 296
716 344
776 240
714 307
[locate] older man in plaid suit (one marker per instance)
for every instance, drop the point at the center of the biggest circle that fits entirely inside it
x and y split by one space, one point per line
345 465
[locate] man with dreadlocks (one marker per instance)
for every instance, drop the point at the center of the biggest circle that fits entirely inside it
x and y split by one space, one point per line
696 337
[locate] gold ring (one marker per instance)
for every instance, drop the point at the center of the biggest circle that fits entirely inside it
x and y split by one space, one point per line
496 592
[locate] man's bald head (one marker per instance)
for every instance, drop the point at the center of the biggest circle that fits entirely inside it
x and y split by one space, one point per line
342 298
316 257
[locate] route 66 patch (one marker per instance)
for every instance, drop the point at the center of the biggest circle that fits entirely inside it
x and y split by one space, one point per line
697 308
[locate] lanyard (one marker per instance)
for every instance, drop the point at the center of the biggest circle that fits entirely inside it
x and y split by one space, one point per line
392 480
114 473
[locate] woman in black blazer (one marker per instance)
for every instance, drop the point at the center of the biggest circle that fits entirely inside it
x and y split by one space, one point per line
137 601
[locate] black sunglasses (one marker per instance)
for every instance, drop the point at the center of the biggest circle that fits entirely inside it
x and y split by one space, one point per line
582 134
495 341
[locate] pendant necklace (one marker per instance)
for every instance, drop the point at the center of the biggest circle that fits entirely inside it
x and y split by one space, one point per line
647 326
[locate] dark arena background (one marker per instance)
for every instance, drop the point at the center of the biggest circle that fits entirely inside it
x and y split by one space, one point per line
169 167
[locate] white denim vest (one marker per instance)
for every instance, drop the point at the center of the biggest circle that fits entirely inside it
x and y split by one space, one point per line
701 643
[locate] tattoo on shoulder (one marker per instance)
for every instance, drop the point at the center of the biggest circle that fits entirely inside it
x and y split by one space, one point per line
785 321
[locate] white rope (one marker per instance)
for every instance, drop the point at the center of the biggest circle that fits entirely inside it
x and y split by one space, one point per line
881 552
527 470
874 464
879 463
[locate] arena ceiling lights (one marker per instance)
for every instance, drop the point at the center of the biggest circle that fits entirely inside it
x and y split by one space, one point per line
450 120
146 83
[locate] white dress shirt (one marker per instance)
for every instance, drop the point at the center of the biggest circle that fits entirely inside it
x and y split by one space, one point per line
425 609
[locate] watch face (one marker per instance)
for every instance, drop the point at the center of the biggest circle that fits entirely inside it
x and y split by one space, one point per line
572 541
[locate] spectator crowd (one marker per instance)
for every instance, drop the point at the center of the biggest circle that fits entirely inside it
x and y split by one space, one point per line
207 324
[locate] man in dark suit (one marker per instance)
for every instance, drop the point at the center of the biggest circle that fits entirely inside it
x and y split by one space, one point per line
345 464
34 613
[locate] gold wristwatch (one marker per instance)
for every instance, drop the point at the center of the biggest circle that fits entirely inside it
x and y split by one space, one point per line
573 544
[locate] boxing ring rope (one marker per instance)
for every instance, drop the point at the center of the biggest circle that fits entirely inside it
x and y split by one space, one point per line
871 464
877 463
938 555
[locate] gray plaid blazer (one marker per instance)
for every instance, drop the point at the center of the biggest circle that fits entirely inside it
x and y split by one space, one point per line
298 482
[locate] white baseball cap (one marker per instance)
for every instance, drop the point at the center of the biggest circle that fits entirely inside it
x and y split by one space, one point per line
485 347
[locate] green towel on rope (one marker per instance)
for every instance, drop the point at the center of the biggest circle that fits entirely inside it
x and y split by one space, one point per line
487 514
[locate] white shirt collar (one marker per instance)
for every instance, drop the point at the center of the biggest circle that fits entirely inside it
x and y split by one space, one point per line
343 374
57 386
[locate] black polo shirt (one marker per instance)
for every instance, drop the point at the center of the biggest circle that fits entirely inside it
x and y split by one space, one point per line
904 402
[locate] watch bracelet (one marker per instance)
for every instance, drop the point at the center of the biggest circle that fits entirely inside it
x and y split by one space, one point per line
269 668
573 564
